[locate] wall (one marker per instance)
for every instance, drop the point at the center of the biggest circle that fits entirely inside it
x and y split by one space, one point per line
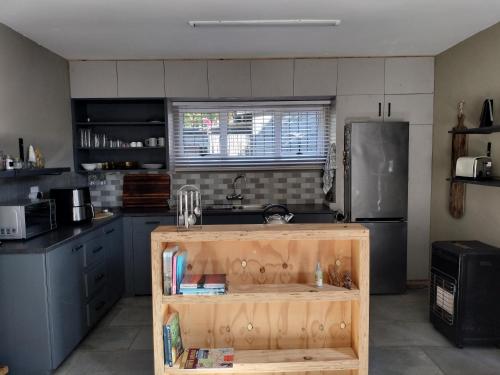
34 99
261 187
468 71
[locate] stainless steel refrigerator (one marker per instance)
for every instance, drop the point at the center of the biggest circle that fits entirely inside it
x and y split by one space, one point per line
376 195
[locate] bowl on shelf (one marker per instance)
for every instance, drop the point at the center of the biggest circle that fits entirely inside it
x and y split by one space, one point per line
89 166
152 165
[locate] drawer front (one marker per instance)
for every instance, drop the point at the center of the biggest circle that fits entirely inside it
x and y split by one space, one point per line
94 251
95 279
97 307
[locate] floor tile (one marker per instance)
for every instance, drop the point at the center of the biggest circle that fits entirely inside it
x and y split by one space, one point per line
110 338
469 361
411 307
401 361
396 333
133 316
144 340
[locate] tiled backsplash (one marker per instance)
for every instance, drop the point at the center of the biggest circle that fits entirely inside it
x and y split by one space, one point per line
292 187
18 188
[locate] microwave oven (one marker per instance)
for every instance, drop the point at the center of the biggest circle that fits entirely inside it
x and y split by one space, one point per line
26 219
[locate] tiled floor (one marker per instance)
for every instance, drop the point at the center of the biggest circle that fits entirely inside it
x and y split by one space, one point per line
402 342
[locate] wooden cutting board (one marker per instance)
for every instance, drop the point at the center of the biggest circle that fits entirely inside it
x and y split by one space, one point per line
457 189
146 190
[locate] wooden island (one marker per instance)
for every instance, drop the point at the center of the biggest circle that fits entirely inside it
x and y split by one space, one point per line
273 316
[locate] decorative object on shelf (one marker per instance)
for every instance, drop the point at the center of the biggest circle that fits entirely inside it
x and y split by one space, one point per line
458 149
486 119
347 282
189 211
318 275
334 273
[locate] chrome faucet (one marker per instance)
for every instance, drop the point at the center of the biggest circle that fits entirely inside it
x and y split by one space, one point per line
235 196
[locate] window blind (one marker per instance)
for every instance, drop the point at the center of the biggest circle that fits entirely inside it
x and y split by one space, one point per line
250 134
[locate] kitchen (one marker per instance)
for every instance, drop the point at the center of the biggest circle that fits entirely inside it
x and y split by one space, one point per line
187 104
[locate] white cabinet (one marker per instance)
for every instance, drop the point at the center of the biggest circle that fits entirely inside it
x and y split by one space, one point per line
416 108
272 78
229 78
315 77
419 198
186 78
140 79
409 75
361 76
93 79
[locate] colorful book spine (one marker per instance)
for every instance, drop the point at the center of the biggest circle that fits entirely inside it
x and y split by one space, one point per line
167 345
168 255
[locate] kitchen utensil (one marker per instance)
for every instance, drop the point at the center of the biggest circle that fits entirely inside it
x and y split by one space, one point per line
89 166
192 216
181 215
186 213
151 142
197 209
161 141
277 218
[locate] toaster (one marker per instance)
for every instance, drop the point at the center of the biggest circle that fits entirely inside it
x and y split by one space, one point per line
473 167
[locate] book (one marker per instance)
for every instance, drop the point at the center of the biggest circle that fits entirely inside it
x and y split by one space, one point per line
180 267
202 291
209 358
168 268
217 280
172 340
192 281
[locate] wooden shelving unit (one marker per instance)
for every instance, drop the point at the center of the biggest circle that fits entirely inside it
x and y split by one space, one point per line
485 130
272 315
494 181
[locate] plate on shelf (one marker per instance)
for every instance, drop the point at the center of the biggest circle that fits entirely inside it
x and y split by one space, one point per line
152 165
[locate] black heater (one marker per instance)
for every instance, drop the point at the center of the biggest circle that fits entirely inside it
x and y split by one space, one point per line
465 292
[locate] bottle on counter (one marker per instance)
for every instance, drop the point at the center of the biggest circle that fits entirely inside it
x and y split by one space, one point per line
318 275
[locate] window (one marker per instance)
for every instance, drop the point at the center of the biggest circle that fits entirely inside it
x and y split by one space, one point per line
250 134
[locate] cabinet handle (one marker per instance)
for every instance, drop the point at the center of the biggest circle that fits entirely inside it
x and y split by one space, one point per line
389 110
99 277
110 231
96 250
100 305
153 222
77 248
379 109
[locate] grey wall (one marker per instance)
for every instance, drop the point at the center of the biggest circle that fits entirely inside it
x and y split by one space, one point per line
469 71
34 99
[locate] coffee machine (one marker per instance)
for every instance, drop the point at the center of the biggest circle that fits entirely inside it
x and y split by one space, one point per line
73 205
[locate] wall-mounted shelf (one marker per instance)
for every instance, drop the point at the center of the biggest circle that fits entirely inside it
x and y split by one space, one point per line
121 123
485 130
121 170
494 181
32 172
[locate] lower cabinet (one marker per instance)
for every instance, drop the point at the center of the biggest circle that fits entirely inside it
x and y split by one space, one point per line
141 250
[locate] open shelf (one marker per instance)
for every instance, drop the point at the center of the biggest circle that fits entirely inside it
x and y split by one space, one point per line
252 293
120 148
494 181
120 123
282 361
121 170
485 130
32 172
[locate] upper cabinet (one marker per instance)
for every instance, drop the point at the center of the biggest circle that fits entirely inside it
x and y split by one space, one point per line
272 78
229 78
93 79
417 109
186 78
358 76
315 77
409 75
140 79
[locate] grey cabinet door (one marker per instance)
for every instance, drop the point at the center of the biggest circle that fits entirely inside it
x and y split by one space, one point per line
113 239
66 299
233 219
320 217
141 239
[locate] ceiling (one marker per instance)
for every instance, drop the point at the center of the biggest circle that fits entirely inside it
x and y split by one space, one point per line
148 29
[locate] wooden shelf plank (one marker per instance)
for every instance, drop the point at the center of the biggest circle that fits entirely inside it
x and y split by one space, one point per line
485 130
494 181
270 293
282 361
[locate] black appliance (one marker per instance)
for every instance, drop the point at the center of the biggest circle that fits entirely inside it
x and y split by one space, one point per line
73 205
486 118
465 291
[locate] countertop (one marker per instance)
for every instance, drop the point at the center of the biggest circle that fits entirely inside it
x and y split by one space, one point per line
50 240
61 235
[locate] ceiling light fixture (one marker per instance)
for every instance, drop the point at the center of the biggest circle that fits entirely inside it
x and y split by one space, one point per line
253 23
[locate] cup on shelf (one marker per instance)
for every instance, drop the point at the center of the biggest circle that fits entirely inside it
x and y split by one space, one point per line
161 141
139 144
133 144
151 142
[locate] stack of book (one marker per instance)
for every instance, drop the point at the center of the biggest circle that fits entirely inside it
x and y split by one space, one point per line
203 284
174 268
208 358
172 340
